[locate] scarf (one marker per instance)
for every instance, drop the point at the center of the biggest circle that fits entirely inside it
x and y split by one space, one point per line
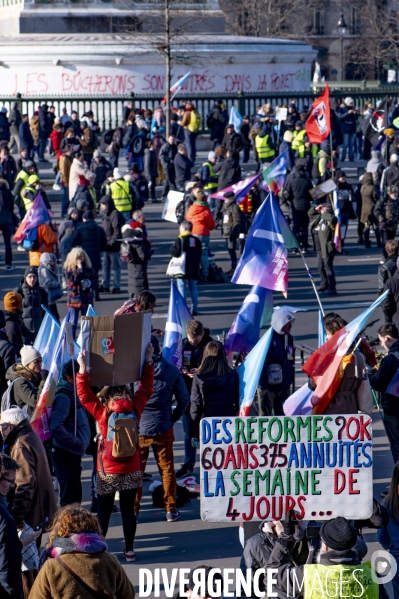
83 542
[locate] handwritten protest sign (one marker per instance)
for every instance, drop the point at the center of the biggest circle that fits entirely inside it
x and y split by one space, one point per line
260 468
321 190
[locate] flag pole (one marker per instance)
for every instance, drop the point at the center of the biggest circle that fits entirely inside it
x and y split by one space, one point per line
313 283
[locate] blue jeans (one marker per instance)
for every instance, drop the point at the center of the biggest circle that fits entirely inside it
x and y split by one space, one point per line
111 260
189 451
42 148
182 287
190 141
204 239
391 424
137 160
64 201
349 144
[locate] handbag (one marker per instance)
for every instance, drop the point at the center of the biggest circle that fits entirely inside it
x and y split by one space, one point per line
177 266
92 593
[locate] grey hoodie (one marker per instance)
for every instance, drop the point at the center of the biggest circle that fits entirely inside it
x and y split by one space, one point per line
374 161
48 278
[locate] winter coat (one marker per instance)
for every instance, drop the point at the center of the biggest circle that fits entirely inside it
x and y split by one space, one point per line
322 229
369 199
62 423
167 154
229 172
13 329
10 557
107 463
100 170
258 549
32 313
280 352
150 164
64 165
390 177
374 162
345 195
385 271
10 171
47 238
390 305
112 223
91 237
15 117
213 395
137 279
66 232
297 190
192 356
6 204
201 218
102 572
347 121
34 128
77 169
231 220
183 166
157 417
44 123
48 279
76 296
353 393
381 378
387 211
219 122
232 141
25 136
4 127
8 357
33 498
389 536
56 139
27 387
193 248
87 141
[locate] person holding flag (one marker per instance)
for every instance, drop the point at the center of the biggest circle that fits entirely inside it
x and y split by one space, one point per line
322 229
278 369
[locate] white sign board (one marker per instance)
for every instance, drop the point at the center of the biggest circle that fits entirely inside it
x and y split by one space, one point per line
260 468
323 189
169 209
281 114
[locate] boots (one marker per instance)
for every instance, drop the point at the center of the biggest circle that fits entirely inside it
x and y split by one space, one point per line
378 237
367 243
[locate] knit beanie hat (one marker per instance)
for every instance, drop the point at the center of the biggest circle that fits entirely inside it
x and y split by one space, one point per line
338 534
88 215
12 301
29 354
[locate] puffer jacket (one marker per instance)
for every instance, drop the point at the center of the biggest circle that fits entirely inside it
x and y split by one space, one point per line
48 279
297 189
32 313
258 548
107 463
137 268
27 387
213 395
281 349
201 218
385 271
62 423
112 223
47 237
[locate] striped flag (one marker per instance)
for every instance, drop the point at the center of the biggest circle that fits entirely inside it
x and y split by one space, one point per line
337 230
177 319
250 370
176 87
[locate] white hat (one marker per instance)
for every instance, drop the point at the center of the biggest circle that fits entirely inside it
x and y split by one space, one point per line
348 101
29 354
211 155
393 158
279 319
118 173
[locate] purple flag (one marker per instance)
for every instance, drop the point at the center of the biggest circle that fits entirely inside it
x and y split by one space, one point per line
245 330
38 214
299 403
265 258
240 189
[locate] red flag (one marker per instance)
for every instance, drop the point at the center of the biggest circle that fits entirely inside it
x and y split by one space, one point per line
318 125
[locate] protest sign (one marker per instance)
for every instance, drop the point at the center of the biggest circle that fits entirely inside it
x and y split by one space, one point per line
260 468
281 114
324 188
169 209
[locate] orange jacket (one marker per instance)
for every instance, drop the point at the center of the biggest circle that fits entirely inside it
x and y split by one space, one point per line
47 237
201 217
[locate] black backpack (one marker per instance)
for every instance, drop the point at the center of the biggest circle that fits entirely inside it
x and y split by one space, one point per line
210 121
180 211
108 135
216 274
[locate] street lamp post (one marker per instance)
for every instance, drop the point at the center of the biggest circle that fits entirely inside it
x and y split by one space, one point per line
342 27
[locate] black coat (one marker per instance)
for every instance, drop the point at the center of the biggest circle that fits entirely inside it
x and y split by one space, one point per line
278 354
6 204
229 173
390 305
13 329
4 127
10 557
66 231
218 123
167 153
91 237
193 248
380 380
213 395
192 356
44 123
385 271
232 141
112 223
231 220
100 169
15 117
137 268
8 357
346 120
9 171
183 166
32 313
150 164
297 190
25 136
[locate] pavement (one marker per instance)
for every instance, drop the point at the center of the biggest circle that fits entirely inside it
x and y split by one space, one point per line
190 542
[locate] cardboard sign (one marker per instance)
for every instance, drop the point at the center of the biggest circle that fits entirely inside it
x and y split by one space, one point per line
281 114
115 347
260 468
323 189
169 209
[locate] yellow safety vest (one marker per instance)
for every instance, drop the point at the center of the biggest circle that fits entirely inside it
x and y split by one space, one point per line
213 177
120 193
24 176
263 149
298 143
27 201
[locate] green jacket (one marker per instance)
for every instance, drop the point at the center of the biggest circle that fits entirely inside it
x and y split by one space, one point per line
323 225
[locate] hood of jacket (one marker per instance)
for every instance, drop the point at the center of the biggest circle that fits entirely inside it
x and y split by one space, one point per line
109 203
122 406
368 179
280 318
17 371
64 387
45 260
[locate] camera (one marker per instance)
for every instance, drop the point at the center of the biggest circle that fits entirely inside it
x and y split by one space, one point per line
313 530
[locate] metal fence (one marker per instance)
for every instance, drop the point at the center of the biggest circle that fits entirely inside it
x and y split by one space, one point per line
109 111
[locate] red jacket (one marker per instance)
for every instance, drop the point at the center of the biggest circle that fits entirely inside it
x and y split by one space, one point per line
56 139
201 218
100 411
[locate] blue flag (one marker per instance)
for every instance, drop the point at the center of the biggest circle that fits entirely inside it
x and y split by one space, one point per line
46 338
90 312
245 330
250 370
235 119
178 317
321 331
